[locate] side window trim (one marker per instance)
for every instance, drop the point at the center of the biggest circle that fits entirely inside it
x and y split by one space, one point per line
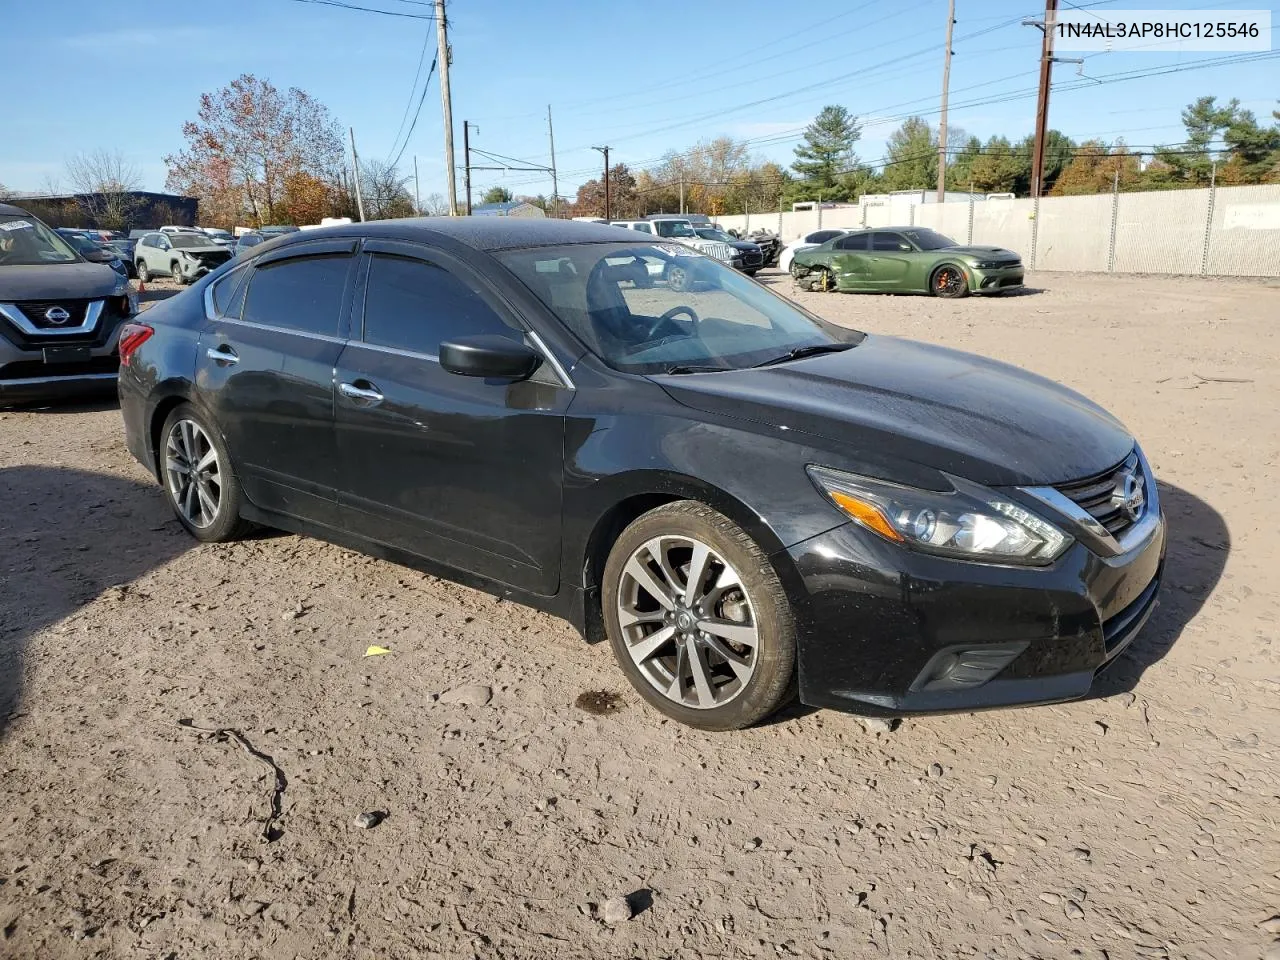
211 310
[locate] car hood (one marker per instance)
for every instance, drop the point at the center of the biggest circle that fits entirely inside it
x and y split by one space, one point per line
966 415
982 253
749 245
57 281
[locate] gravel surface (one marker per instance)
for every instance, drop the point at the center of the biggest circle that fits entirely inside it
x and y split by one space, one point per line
515 811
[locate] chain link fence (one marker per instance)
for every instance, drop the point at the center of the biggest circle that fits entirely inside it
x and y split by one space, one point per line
1214 231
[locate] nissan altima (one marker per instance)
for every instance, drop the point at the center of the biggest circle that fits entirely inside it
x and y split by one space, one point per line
745 500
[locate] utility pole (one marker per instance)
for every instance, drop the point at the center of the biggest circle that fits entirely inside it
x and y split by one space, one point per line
605 151
417 197
942 122
682 192
442 57
466 159
355 164
1042 102
555 185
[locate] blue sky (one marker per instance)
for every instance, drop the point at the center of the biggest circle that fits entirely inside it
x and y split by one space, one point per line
642 78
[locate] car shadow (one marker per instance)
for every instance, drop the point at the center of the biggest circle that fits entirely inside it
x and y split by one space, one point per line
1198 546
70 537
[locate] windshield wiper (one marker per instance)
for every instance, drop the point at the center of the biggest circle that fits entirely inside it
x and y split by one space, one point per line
800 353
694 368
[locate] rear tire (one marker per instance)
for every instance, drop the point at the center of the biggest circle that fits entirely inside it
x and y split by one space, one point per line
199 480
717 654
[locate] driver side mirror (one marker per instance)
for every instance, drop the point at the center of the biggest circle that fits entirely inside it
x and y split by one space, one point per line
489 356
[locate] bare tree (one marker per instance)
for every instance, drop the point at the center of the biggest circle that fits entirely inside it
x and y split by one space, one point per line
434 205
385 190
104 182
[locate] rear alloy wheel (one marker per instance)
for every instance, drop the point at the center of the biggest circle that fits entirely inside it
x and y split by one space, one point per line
697 618
949 282
203 489
678 278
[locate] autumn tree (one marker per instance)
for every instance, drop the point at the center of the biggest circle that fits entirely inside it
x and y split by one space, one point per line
1095 168
826 152
104 182
622 196
247 140
496 195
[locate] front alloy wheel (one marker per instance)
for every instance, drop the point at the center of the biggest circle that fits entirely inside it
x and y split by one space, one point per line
949 282
698 619
687 622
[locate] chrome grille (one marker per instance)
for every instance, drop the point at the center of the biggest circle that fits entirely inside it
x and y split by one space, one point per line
1102 496
36 311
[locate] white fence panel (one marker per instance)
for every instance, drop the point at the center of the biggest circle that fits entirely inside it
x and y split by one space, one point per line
1245 239
1161 232
1074 233
1005 223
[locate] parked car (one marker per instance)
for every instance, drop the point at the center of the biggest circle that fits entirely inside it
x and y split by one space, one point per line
681 231
733 491
770 245
906 260
246 242
184 256
809 240
219 236
124 247
176 229
93 250
60 315
747 256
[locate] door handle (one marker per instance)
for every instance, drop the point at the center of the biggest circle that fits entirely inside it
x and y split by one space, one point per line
222 355
368 395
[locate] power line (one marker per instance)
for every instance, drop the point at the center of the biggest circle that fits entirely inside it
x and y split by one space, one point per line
352 6
417 113
422 56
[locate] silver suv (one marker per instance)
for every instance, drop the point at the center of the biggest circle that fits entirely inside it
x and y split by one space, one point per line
184 256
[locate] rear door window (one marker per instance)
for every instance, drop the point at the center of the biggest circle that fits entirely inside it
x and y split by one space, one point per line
888 241
858 241
301 293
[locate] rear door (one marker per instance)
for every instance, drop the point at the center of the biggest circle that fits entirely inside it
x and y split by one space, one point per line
891 258
265 368
851 259
461 470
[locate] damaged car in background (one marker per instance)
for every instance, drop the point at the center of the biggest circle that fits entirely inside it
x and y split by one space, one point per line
905 260
184 256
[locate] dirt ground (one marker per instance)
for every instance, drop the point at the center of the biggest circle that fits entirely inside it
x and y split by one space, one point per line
1141 822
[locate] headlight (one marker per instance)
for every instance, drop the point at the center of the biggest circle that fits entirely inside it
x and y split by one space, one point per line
969 522
988 265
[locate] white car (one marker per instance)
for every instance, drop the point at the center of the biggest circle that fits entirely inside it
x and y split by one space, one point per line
806 242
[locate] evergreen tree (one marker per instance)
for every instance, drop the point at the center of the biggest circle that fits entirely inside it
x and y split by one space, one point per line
827 151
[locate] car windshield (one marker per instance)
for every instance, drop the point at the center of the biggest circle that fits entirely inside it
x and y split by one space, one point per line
673 228
711 233
180 240
25 241
928 239
664 308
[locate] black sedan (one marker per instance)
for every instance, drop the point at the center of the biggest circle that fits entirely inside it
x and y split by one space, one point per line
740 496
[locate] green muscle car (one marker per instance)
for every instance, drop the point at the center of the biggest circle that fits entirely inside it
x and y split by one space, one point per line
905 260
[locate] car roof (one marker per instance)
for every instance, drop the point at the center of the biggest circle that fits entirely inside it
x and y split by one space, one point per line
9 210
480 233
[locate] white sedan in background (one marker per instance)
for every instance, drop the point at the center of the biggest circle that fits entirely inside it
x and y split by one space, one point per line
804 243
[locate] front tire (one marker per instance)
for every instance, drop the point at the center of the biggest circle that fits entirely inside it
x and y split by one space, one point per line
698 619
678 278
144 273
175 271
200 482
949 282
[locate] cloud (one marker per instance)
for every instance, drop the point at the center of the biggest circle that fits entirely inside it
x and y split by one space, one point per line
132 37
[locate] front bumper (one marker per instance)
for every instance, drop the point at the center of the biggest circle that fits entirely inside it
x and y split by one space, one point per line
888 631
48 366
995 280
